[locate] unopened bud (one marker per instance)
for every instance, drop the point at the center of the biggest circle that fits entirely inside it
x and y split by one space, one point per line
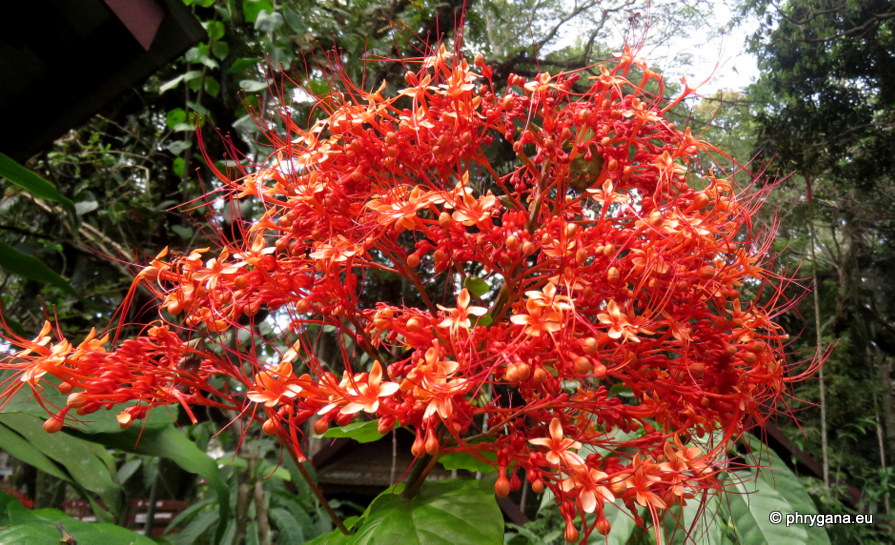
53 424
502 486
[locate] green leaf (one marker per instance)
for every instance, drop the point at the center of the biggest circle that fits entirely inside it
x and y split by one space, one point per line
31 182
336 537
169 443
183 231
760 493
288 529
215 29
265 469
170 84
268 21
252 86
85 207
362 432
195 84
622 525
20 526
175 117
173 83
212 87
179 146
476 286
127 469
23 402
18 447
88 464
220 50
294 20
318 87
198 526
251 9
455 512
28 266
696 523
485 320
178 165
465 460
197 109
241 65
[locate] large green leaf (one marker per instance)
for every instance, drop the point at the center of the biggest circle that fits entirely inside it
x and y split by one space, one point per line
465 460
20 526
764 492
696 523
455 512
169 443
288 528
196 528
28 266
621 524
31 182
19 448
333 538
87 464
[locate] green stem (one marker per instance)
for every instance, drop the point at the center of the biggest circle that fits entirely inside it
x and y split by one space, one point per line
316 489
418 474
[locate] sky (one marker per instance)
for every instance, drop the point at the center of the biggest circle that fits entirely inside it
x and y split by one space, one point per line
717 56
717 53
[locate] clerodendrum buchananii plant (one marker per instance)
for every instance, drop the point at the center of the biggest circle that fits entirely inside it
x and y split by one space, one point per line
581 320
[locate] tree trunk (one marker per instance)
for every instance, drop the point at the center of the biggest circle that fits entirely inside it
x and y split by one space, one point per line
824 439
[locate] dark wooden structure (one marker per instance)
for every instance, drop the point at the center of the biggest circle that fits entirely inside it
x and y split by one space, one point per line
61 61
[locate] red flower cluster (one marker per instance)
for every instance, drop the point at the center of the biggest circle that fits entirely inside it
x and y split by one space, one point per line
581 321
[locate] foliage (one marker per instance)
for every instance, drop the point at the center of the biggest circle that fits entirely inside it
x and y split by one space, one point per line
19 525
827 96
738 515
456 512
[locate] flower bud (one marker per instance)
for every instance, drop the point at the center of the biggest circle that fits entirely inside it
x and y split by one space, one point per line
432 445
582 365
270 426
53 424
612 275
321 425
415 325
502 486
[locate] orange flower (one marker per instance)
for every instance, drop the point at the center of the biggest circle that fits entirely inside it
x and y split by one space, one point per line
272 386
365 394
619 325
435 385
590 494
558 447
459 317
